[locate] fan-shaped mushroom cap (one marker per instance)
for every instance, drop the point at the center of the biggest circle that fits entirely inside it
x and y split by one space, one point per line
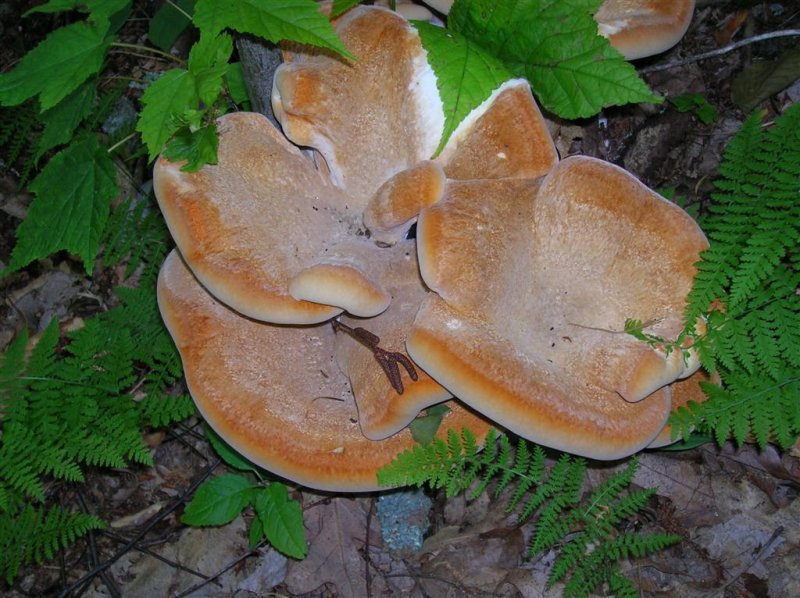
371 118
640 28
393 208
528 325
506 136
381 410
275 393
247 226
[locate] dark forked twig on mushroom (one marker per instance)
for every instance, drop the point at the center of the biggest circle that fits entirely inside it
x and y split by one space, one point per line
388 360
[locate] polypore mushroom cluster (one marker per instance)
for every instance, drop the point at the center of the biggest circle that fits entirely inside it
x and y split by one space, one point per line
313 331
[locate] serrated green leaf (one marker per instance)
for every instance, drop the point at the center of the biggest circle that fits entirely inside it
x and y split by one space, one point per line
73 194
256 532
219 500
465 74
342 6
198 147
277 20
234 81
424 427
62 119
57 66
554 44
282 520
208 63
171 94
97 9
763 79
169 22
230 456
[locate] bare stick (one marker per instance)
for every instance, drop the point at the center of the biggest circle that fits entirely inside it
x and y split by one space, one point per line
720 51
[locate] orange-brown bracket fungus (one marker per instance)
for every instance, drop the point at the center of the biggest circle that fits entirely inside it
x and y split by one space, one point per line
275 393
535 280
641 28
276 233
512 298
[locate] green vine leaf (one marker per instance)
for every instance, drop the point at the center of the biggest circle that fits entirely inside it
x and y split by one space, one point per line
554 44
219 500
167 96
342 6
281 520
169 22
70 210
230 456
97 9
208 63
61 120
58 65
466 75
277 20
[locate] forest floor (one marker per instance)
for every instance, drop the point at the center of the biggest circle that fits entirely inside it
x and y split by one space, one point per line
736 507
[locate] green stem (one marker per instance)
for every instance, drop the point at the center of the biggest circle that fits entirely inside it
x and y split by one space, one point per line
120 142
180 10
148 49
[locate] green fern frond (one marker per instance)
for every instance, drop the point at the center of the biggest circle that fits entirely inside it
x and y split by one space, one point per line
752 271
34 534
585 531
18 127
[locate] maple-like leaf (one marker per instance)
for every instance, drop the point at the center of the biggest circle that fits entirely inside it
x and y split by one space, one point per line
573 71
276 20
169 95
465 74
58 65
73 194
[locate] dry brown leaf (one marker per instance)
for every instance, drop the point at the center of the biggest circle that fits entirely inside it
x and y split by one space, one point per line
336 531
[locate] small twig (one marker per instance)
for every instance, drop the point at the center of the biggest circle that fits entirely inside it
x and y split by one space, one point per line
222 571
388 360
720 51
138 537
762 551
367 573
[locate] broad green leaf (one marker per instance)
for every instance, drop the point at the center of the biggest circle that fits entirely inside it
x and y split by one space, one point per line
554 44
230 456
342 6
219 500
57 66
466 75
282 520
208 63
73 194
256 532
97 9
234 81
197 146
276 20
171 94
424 427
61 120
763 79
169 22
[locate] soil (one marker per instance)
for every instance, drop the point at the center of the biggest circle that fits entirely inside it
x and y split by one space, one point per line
735 506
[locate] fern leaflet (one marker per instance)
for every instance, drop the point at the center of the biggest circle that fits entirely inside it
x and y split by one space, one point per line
553 495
